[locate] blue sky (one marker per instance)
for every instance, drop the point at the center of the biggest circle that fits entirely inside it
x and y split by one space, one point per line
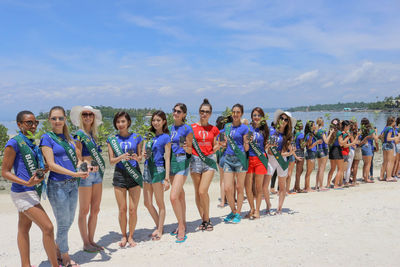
156 53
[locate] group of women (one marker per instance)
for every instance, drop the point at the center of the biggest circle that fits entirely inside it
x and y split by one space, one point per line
248 157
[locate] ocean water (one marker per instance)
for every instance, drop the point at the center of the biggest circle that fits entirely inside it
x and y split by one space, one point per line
378 119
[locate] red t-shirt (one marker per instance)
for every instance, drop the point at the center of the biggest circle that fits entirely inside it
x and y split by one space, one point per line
205 138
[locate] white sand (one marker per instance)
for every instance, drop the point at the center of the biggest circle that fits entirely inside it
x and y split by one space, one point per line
351 227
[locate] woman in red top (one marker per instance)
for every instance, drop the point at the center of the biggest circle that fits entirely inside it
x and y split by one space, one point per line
202 169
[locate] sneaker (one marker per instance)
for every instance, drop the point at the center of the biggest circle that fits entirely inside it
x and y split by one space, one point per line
229 217
237 218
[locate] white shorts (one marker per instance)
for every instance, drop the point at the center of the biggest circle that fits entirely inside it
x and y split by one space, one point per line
274 165
25 200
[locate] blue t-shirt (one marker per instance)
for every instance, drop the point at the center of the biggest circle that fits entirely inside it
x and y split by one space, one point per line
237 133
336 143
175 133
126 143
278 136
389 132
258 139
60 156
370 141
298 139
19 168
85 151
158 148
313 140
319 135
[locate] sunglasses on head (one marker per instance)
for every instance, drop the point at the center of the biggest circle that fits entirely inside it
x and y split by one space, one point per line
174 110
57 118
283 118
31 123
89 114
202 111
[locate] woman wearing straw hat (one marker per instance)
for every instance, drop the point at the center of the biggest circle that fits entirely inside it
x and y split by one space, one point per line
278 149
90 189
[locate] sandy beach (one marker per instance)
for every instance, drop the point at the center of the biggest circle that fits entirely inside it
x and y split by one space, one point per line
350 227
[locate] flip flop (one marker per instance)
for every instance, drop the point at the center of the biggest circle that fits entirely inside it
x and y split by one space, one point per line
181 240
91 251
174 233
156 238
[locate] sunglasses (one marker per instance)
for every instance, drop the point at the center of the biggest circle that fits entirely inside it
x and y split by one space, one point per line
284 119
31 123
202 111
90 114
57 118
176 111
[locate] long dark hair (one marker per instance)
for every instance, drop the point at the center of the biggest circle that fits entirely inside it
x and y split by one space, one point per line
344 124
308 128
365 127
287 132
162 115
263 124
183 108
390 120
335 125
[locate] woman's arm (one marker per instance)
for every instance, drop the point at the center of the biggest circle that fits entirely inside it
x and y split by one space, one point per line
114 160
188 144
167 159
246 142
8 161
390 138
342 142
49 157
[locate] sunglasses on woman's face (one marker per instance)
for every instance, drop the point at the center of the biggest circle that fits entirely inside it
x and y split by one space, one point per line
57 118
174 110
31 123
90 114
284 119
202 111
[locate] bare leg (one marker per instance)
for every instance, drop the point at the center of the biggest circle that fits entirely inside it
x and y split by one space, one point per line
222 187
176 201
196 177
282 192
158 190
265 187
203 194
310 168
134 196
249 192
97 191
331 171
289 177
259 179
229 190
299 171
85 197
120 196
148 202
240 190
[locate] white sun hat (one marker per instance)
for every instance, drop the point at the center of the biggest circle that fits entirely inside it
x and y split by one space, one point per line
76 112
279 112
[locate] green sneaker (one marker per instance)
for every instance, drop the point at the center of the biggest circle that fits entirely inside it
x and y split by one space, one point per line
229 217
237 218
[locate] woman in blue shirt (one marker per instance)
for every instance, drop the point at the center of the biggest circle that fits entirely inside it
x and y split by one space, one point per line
129 148
90 189
311 144
59 151
235 162
23 193
157 151
367 138
396 167
299 144
179 132
388 145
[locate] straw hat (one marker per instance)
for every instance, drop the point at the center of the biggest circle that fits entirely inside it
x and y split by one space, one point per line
279 112
76 112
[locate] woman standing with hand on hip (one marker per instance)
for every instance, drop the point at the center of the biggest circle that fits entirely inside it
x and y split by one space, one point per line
26 187
278 150
90 189
181 146
59 151
157 152
236 162
203 162
124 151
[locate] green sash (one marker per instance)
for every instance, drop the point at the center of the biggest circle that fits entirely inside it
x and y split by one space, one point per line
175 165
259 154
211 163
155 175
94 153
68 149
30 161
301 142
133 172
284 164
239 153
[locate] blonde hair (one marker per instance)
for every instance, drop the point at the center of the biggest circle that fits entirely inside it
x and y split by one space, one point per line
93 127
320 122
65 127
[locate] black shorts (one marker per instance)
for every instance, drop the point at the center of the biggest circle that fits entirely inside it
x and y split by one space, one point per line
335 152
123 179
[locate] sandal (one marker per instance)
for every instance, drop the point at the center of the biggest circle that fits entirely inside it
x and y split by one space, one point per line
208 226
156 238
201 227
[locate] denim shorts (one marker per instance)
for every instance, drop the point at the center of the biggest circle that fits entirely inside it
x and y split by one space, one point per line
94 178
322 153
198 166
299 153
291 158
310 155
366 150
147 175
387 146
184 172
233 164
222 161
